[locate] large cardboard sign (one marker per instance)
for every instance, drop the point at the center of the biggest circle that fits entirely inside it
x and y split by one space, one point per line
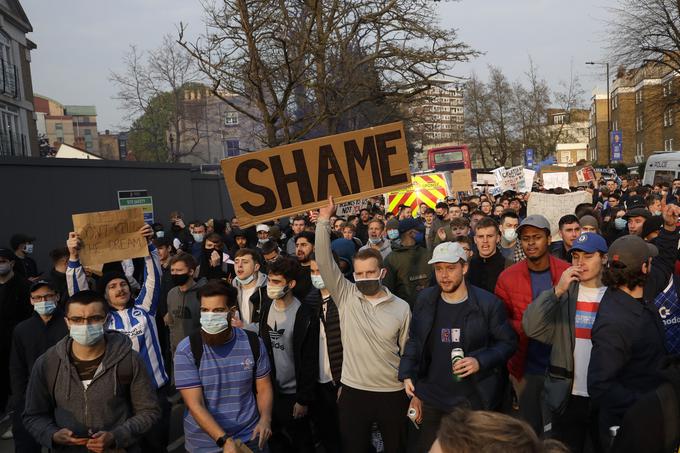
426 189
461 180
510 178
289 179
556 180
110 236
553 207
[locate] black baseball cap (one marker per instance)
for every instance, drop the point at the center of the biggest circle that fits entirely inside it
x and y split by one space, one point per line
7 254
44 282
630 252
638 212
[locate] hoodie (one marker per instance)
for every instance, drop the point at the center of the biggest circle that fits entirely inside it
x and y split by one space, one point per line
103 406
184 313
250 313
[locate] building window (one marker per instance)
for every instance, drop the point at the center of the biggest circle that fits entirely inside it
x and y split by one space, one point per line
88 139
231 118
668 144
668 88
559 119
231 148
615 102
668 117
615 125
638 123
639 150
594 155
638 96
59 131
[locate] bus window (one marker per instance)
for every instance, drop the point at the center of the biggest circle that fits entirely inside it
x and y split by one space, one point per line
448 157
664 176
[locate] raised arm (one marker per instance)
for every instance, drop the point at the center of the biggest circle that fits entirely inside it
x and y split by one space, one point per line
149 296
76 279
331 274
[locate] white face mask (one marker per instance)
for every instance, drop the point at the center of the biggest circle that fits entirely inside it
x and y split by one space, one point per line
160 234
277 292
317 282
28 249
214 323
510 234
198 237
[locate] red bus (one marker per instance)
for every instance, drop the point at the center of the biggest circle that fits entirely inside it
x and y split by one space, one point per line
449 158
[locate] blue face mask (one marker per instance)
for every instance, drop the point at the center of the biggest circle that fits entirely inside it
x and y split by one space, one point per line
317 282
45 308
393 235
246 280
620 223
87 334
375 241
214 323
419 237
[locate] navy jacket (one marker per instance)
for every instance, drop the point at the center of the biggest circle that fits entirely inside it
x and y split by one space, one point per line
489 338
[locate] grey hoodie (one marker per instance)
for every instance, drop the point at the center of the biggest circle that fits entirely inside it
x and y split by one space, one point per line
184 313
104 406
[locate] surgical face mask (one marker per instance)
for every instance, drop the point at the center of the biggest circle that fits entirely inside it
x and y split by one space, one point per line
510 234
86 334
45 308
5 268
375 241
262 241
620 223
198 237
655 213
214 323
245 281
180 279
317 282
28 249
277 292
160 234
393 235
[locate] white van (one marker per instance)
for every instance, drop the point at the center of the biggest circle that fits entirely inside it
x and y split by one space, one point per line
662 167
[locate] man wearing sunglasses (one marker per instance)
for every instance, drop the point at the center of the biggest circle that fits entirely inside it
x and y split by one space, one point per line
91 389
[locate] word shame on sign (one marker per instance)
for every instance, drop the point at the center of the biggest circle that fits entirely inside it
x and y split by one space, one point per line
108 236
292 178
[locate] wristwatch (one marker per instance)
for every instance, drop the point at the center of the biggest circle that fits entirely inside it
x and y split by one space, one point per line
222 440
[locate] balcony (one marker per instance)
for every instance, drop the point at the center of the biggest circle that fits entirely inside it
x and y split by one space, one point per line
8 79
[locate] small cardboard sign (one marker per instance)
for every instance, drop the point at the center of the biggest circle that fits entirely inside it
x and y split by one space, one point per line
461 180
110 236
510 178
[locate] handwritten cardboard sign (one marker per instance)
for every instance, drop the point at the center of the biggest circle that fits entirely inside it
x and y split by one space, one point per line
556 180
510 178
461 180
110 236
292 178
351 208
553 207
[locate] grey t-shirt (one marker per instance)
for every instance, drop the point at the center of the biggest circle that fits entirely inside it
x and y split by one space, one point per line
281 323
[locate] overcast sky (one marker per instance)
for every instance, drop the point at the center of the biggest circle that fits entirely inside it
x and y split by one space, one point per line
80 42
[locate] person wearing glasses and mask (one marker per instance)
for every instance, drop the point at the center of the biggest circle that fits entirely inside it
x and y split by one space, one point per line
374 324
30 340
91 390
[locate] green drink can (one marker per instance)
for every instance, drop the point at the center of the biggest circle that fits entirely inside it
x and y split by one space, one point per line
456 355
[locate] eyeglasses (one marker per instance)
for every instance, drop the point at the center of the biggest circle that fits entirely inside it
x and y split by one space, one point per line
43 298
97 319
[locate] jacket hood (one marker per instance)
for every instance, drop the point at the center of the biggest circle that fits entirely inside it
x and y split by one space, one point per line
117 347
261 280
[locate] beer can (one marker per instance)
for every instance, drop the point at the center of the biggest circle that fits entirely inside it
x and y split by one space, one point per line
412 414
456 355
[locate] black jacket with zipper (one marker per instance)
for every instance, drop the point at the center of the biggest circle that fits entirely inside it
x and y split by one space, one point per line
489 339
305 349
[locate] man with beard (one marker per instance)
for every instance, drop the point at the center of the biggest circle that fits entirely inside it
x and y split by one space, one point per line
563 317
222 373
304 248
375 324
517 286
448 316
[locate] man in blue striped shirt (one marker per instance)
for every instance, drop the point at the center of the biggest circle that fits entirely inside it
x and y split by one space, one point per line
132 317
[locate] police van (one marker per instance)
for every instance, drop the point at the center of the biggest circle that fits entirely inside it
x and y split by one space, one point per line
662 167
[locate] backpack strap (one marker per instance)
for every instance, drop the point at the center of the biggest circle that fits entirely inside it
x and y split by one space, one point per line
196 343
254 342
671 415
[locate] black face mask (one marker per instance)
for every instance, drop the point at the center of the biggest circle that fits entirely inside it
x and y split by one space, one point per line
180 279
369 287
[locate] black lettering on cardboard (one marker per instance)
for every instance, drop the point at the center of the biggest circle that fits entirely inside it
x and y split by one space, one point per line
384 153
354 156
300 176
328 165
242 179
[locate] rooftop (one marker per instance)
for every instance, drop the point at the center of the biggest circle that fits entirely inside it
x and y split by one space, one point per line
80 110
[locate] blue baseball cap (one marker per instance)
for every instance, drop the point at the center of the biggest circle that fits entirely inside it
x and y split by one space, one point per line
590 243
410 224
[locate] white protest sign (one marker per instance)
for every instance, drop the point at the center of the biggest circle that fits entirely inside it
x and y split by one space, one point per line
510 178
529 176
351 208
555 180
553 207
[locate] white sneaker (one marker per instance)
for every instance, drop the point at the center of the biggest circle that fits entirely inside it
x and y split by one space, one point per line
7 435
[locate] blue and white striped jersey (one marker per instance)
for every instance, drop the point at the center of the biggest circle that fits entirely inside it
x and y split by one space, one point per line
139 321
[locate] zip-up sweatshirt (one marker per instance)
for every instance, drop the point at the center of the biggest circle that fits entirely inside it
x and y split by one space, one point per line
374 333
103 406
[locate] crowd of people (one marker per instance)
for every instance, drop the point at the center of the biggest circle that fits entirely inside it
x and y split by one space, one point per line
466 327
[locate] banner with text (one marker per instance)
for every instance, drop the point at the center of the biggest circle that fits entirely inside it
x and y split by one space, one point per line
289 179
510 178
110 236
553 207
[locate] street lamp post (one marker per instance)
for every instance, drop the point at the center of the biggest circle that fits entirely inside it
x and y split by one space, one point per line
609 107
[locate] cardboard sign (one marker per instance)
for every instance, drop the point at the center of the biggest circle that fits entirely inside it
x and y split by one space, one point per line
555 180
585 174
461 180
486 179
426 189
510 178
110 236
553 207
351 208
289 179
529 176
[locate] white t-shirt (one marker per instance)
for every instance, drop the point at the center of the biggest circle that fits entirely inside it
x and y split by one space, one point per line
325 374
587 304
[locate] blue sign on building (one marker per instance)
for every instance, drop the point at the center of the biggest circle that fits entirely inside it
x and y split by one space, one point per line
617 146
529 158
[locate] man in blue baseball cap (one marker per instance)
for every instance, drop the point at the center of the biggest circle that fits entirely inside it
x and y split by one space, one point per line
563 317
